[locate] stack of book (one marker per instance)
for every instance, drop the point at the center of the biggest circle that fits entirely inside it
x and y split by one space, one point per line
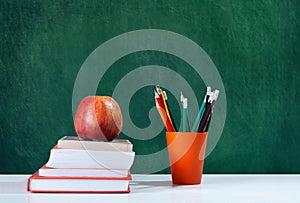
85 166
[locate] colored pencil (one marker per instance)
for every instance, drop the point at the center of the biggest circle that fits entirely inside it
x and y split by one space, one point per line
161 110
200 113
184 102
208 110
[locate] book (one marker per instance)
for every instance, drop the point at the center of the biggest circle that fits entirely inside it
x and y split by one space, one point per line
76 158
37 183
74 142
82 172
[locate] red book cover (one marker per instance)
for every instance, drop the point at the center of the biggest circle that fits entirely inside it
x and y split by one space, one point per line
36 183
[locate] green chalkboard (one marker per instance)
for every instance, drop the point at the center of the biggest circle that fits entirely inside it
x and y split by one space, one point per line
253 44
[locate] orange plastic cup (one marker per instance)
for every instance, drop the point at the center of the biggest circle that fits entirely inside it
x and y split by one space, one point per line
186 155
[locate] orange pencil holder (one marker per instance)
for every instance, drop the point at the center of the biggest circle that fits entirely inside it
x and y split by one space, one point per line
186 155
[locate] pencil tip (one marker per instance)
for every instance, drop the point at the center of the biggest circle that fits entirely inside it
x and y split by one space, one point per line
181 97
208 89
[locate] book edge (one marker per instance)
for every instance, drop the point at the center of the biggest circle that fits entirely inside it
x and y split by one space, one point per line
34 175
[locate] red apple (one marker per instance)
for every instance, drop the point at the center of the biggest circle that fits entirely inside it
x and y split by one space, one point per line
98 118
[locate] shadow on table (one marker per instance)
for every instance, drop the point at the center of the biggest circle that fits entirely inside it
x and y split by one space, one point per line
150 185
13 187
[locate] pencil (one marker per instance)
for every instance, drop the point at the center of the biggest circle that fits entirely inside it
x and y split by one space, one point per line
162 112
208 110
184 113
168 110
163 97
208 122
205 100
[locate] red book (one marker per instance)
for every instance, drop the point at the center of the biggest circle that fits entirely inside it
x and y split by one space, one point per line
48 184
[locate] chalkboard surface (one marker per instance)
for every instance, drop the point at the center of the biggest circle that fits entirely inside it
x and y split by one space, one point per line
253 44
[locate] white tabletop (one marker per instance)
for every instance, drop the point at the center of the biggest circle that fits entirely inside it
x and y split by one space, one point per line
159 188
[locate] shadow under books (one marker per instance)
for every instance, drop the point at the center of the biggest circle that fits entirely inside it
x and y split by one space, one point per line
153 185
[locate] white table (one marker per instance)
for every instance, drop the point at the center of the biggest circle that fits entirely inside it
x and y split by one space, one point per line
159 188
